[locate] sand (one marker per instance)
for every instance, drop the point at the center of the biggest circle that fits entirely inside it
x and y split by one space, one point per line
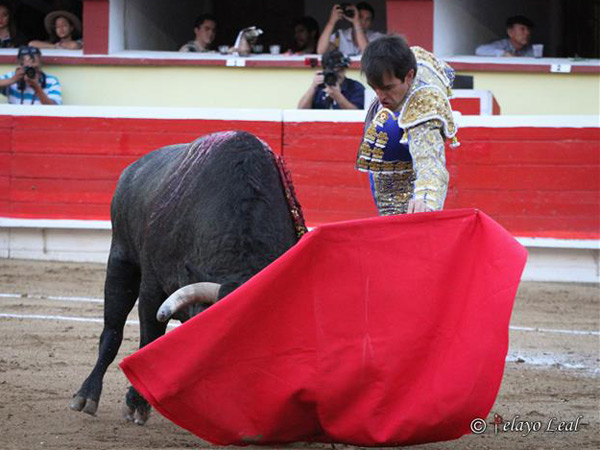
48 346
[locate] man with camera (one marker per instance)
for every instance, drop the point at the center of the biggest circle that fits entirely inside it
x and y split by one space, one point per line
331 89
350 41
27 84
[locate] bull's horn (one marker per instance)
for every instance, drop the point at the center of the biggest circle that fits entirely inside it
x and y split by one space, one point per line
188 295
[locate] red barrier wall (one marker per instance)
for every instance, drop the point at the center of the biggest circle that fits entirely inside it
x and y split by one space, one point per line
536 181
67 168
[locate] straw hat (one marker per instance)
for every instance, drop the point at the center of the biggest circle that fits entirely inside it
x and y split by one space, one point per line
50 19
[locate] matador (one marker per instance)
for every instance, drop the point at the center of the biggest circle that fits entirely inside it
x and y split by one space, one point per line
403 148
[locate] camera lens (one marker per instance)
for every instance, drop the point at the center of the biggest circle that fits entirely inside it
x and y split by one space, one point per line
30 72
329 77
347 11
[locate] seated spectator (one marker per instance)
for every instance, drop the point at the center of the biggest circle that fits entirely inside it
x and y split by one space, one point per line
350 41
205 29
8 30
64 29
306 35
27 84
518 42
330 89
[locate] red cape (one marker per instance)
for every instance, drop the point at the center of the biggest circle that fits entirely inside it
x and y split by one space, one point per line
386 331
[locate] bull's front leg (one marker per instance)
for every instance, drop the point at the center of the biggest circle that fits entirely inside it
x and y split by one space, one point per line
120 293
137 409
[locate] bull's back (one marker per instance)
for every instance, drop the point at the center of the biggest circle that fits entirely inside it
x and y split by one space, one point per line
136 191
219 206
226 213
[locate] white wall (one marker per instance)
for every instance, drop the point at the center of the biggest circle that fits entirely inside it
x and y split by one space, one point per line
116 25
461 25
85 244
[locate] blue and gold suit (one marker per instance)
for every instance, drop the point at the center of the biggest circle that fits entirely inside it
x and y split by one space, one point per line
403 151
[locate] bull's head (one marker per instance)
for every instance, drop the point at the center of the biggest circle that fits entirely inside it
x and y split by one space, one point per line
198 294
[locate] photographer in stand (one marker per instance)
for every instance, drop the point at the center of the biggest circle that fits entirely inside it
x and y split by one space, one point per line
331 89
350 41
28 85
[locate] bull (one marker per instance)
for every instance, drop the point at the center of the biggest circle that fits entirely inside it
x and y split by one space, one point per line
190 223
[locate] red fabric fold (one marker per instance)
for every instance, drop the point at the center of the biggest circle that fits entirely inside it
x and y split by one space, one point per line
386 331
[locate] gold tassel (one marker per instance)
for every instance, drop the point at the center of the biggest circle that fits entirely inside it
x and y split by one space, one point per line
454 143
404 139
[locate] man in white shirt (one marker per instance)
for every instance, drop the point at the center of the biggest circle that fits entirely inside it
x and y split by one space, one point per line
518 43
350 41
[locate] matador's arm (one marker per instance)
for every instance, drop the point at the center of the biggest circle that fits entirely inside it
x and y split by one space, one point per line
426 146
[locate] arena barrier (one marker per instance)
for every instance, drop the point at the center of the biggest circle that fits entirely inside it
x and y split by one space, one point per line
536 175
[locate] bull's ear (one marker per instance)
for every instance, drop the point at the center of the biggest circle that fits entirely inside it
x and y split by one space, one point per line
226 288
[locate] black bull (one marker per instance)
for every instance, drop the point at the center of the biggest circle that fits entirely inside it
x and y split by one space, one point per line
211 213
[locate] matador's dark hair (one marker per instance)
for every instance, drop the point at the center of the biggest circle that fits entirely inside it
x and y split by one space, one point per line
388 54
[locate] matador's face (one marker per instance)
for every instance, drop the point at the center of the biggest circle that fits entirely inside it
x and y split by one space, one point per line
392 91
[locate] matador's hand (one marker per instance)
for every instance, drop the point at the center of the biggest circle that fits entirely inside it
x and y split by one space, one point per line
415 206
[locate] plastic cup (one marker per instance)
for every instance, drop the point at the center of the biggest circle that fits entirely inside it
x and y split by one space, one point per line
538 50
223 49
274 49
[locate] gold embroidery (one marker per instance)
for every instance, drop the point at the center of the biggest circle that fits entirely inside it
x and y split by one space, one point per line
429 162
393 191
425 57
382 117
372 165
425 104
371 134
382 139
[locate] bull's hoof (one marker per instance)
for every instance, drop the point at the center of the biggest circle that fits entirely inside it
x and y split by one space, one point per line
87 405
137 409
137 416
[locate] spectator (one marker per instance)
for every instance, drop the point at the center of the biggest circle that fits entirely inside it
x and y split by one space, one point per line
306 36
350 41
28 84
64 30
205 29
518 43
8 30
331 89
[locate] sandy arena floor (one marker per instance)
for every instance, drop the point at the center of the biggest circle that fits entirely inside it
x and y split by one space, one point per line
48 348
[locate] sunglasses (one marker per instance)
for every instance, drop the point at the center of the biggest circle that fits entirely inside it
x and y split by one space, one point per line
28 51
